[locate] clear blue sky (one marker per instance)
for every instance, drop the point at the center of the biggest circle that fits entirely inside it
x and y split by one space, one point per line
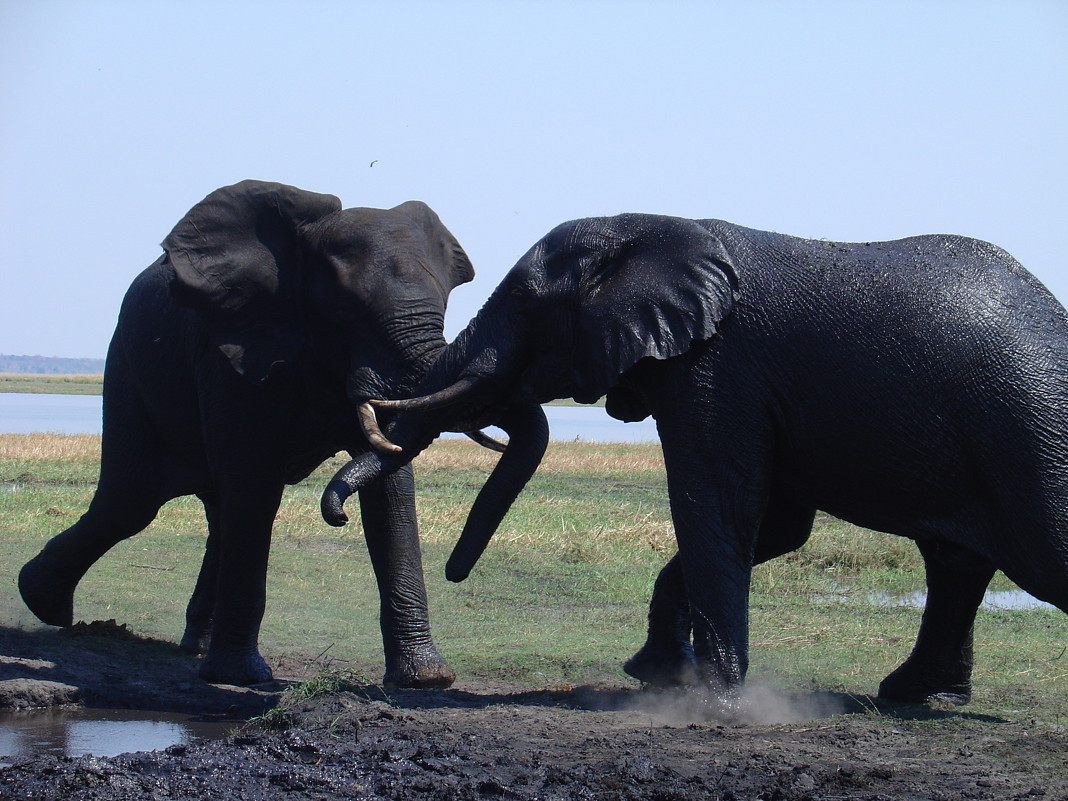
846 120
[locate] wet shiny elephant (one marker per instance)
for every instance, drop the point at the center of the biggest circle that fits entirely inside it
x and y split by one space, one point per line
917 387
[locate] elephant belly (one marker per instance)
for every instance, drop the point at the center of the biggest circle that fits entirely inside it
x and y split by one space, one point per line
903 485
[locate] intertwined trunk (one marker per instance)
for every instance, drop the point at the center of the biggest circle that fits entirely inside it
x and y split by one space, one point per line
489 380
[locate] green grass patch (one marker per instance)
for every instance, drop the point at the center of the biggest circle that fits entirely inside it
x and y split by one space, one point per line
48 384
560 596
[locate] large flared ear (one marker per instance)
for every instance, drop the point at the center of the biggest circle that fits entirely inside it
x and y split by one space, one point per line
449 262
237 259
649 286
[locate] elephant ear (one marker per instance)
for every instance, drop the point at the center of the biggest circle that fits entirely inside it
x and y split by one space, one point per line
237 260
651 287
449 263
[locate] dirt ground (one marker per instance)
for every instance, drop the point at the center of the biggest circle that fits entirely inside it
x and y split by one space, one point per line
476 741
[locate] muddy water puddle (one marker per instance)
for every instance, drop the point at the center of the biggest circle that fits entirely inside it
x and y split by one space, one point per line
101 732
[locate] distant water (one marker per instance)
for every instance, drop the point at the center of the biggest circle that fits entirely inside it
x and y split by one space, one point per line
80 414
25 413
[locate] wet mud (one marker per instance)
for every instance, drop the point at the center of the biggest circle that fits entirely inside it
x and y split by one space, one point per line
486 741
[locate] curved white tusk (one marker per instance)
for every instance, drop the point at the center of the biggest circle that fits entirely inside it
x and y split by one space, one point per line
435 400
486 441
369 426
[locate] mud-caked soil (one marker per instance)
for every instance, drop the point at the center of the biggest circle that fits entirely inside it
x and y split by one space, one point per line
482 741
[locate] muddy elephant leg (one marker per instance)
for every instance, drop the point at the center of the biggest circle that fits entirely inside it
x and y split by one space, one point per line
716 508
667 657
387 509
245 517
197 636
940 665
717 567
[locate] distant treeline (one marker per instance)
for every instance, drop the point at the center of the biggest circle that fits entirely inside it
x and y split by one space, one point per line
50 365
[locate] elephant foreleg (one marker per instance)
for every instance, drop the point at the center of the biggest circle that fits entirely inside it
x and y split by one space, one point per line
387 510
667 656
716 508
940 665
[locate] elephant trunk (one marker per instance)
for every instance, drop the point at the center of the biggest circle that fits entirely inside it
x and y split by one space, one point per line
459 393
414 431
528 433
356 474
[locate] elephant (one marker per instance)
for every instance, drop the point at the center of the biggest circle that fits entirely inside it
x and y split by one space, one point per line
238 364
917 387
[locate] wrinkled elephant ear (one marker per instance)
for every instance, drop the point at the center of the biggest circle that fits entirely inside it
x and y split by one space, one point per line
652 287
236 257
451 267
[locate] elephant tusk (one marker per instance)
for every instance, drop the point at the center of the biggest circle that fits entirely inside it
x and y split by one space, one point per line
486 441
435 400
369 425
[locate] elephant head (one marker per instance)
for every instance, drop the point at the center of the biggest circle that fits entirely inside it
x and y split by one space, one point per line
281 275
581 308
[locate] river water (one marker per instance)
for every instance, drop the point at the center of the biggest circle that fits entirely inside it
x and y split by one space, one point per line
80 414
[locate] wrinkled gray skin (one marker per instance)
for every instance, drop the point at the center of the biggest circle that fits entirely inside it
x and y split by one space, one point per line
917 387
236 366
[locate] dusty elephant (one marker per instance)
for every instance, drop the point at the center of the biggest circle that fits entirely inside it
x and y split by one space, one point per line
238 363
917 387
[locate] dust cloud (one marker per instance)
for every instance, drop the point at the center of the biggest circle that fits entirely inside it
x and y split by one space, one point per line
760 704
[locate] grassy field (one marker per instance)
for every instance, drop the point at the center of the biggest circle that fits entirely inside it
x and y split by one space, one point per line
51 384
560 595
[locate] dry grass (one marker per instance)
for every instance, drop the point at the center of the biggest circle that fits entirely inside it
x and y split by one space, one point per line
586 501
49 458
67 447
606 459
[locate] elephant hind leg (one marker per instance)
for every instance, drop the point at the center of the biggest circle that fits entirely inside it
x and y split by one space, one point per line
128 496
201 608
667 657
940 665
47 582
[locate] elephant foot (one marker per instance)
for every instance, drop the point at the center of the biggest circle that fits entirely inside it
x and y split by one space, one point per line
47 595
241 669
427 670
912 685
663 666
196 640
